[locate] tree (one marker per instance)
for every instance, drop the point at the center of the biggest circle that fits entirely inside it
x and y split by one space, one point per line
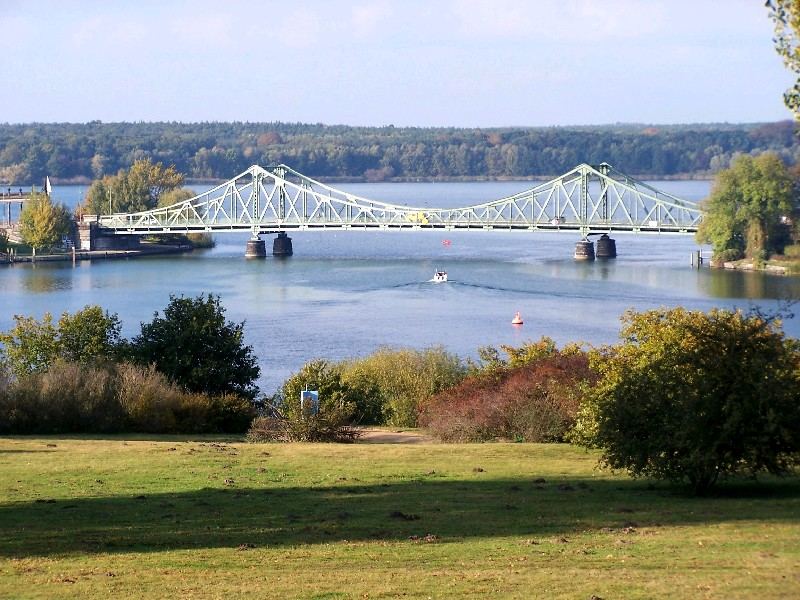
30 346
197 348
689 396
43 223
174 196
746 213
786 16
89 335
136 189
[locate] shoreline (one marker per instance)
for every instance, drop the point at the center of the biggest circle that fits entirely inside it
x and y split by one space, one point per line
771 269
77 255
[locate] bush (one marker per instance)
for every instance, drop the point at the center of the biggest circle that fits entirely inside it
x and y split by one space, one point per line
197 348
331 424
728 255
405 379
339 407
536 401
78 398
688 396
792 251
151 402
229 413
68 398
323 377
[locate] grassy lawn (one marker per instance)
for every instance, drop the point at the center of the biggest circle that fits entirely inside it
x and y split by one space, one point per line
95 518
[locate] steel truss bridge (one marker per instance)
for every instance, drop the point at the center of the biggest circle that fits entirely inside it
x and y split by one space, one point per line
586 199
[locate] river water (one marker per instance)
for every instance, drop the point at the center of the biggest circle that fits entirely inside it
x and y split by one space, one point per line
344 294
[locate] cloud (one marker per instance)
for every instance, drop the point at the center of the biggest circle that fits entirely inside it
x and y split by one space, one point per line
107 31
568 21
366 19
200 29
297 29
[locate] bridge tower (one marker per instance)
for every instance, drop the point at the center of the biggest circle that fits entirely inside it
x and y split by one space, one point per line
256 248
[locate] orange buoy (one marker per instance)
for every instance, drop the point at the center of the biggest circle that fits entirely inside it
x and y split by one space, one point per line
517 320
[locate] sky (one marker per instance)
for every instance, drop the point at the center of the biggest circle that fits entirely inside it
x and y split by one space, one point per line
463 63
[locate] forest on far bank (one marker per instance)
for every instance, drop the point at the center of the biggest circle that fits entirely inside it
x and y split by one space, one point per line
216 150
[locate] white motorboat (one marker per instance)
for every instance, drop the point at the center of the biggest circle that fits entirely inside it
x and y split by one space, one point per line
439 277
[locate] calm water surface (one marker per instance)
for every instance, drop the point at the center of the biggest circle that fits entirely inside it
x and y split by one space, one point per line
343 294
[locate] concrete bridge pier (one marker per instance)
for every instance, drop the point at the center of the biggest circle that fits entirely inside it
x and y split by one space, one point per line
606 247
282 245
256 248
584 250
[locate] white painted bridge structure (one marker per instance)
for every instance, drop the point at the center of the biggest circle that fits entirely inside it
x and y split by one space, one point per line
588 199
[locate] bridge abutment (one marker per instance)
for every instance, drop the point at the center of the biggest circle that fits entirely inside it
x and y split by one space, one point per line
90 236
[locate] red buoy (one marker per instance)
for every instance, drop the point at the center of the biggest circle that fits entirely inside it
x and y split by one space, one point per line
517 320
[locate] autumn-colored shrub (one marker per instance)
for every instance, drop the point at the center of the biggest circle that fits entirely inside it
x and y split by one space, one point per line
535 402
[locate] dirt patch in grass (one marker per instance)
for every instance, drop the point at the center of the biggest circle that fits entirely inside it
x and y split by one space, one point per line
400 436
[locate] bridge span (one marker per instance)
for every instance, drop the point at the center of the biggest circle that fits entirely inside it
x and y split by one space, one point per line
589 199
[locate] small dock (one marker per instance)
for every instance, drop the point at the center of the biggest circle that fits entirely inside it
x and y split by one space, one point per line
11 201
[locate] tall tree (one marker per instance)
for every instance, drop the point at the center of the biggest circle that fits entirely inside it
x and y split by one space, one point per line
786 16
747 213
136 189
42 222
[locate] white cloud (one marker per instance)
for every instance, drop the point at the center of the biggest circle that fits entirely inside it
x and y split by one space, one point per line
297 29
114 32
367 19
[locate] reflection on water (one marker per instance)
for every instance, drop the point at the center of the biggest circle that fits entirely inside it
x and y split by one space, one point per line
44 277
751 285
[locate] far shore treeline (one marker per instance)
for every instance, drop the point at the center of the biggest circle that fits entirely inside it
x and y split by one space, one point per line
82 152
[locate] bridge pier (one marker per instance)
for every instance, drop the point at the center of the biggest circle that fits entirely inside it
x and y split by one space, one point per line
606 247
256 248
282 245
584 250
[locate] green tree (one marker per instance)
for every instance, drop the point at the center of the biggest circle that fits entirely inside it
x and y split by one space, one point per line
746 213
689 396
197 348
42 222
88 335
30 346
786 16
136 189
174 196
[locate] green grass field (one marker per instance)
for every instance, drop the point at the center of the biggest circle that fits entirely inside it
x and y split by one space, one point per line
165 518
